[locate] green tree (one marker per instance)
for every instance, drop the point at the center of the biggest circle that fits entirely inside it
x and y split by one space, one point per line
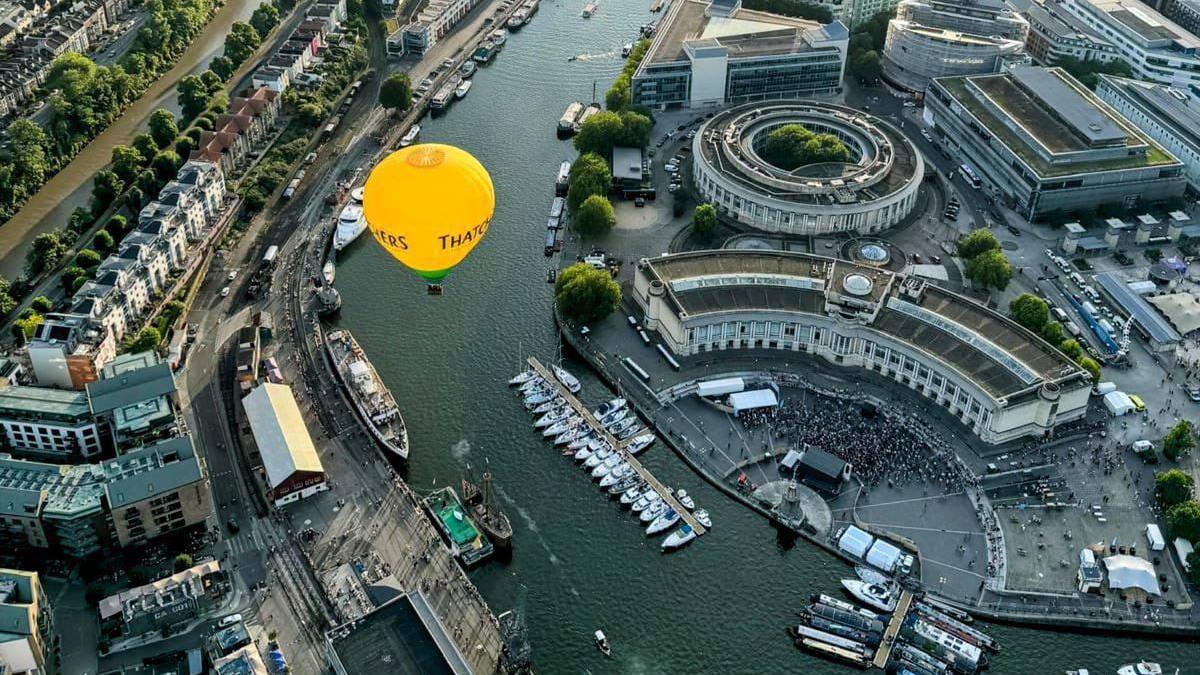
1052 332
165 164
146 340
222 66
585 294
600 134
794 145
241 42
704 221
619 94
135 198
636 129
47 250
41 304
117 226
1071 348
1030 311
162 127
1179 441
103 241
1173 487
1183 520
977 242
70 274
184 561
395 93
106 185
311 114
865 66
27 324
27 150
989 269
126 163
794 8
87 259
265 18
193 96
1088 72
1089 364
146 147
7 302
589 176
594 216
183 146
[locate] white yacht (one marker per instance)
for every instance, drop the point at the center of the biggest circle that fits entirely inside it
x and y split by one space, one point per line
351 223
685 499
653 511
621 472
499 37
1141 668
639 444
462 89
567 379
703 518
880 597
678 538
664 521
411 135
608 408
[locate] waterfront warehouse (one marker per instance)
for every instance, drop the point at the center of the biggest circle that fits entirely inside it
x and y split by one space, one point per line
873 191
709 53
1041 141
998 378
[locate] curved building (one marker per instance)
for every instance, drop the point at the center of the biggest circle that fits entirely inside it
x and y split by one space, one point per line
873 191
998 378
935 38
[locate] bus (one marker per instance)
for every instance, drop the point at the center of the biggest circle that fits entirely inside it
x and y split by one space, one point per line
269 257
970 176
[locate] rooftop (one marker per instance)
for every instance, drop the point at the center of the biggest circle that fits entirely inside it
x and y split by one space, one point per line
43 402
1142 21
405 634
1176 110
131 598
28 489
743 33
155 469
280 433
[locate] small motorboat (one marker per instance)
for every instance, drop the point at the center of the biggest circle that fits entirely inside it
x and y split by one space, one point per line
619 473
613 418
653 511
880 597
560 425
1140 668
644 502
581 441
522 377
702 517
602 643
566 379
546 407
621 426
595 460
633 494
639 443
555 415
678 538
663 522
615 404
604 468
569 435
685 499
627 481
628 433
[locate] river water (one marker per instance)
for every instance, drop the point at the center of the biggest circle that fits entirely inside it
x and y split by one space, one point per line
50 208
580 563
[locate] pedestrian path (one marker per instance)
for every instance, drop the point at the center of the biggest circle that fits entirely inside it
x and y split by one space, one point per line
889 636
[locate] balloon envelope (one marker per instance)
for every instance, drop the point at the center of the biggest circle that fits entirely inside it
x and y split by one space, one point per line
429 205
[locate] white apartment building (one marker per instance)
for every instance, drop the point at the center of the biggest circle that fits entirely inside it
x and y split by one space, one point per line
1156 48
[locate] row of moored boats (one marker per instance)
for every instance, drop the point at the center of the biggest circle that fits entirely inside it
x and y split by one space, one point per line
933 639
559 421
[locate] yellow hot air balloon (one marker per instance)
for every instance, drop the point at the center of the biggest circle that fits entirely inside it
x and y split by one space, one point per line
429 205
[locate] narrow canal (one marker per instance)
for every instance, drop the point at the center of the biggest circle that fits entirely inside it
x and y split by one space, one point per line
580 563
50 208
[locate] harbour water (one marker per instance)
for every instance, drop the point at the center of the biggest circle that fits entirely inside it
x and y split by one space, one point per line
71 187
580 563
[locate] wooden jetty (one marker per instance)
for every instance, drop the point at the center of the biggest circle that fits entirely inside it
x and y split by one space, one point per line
889 636
619 446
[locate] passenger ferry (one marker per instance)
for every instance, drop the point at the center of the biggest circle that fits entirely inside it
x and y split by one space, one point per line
370 396
351 223
566 124
467 542
411 135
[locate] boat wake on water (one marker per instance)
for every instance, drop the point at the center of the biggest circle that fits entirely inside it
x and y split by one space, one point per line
614 54
461 450
529 523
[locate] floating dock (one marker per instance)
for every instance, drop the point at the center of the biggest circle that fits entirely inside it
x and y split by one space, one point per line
893 629
667 495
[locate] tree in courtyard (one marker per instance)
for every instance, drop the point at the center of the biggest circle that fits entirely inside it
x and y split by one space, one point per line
989 269
183 561
585 294
1030 311
704 221
162 127
395 93
589 176
146 340
594 216
977 242
795 145
865 66
1183 520
1179 441
1089 364
47 250
1173 487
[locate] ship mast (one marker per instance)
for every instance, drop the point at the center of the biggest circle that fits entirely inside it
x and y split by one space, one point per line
487 500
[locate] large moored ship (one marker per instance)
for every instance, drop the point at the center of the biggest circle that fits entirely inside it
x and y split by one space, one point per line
371 398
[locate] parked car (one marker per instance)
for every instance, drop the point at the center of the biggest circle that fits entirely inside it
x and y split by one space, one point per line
230 620
225 292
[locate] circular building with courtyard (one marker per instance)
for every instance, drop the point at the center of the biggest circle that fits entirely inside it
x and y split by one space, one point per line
871 191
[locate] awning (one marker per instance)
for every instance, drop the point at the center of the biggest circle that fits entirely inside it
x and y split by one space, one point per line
883 555
855 541
753 400
725 385
790 460
1181 309
1127 571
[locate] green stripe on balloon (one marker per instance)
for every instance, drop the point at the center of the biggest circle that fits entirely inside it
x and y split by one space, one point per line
434 276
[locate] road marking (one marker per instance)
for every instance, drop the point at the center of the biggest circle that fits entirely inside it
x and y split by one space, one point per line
898 501
953 567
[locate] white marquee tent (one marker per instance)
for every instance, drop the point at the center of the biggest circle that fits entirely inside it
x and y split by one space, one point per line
1127 571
